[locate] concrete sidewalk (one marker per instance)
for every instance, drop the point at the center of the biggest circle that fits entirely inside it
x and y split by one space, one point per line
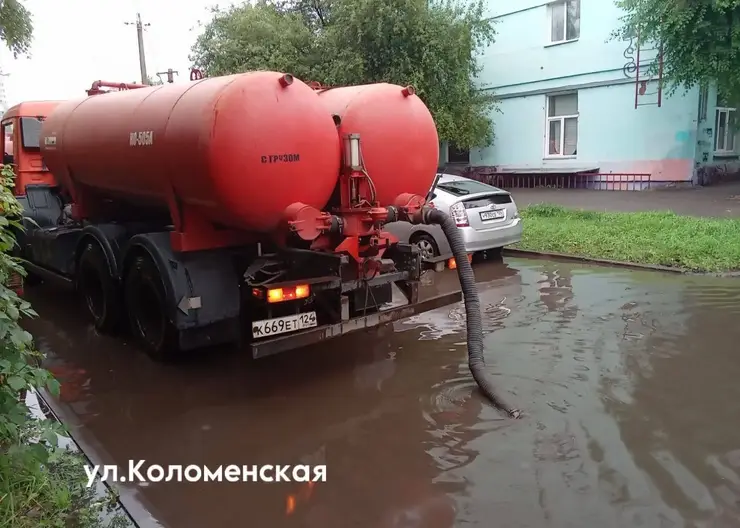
721 200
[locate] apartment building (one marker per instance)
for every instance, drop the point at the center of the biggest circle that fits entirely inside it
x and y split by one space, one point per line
573 100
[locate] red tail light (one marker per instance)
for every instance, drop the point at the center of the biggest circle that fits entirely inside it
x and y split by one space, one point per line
459 214
289 293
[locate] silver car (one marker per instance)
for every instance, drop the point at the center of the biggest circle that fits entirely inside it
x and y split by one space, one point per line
486 216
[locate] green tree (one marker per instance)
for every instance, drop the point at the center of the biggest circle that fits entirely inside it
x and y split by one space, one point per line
700 39
316 14
431 45
256 36
16 26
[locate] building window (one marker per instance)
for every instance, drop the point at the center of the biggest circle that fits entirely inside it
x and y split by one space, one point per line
724 131
565 21
561 133
456 155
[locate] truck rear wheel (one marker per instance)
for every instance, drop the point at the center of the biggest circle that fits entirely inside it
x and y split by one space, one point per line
146 304
98 289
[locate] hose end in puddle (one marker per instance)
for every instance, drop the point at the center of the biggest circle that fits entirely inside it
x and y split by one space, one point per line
474 322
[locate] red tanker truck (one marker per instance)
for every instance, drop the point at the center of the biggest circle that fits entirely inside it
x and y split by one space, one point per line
240 209
246 208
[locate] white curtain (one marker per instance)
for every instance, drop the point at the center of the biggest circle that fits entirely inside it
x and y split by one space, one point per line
570 142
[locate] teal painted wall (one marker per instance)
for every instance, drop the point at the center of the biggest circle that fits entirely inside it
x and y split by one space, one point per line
522 68
521 55
611 132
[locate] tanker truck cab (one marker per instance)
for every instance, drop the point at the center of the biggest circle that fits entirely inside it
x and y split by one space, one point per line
35 187
21 130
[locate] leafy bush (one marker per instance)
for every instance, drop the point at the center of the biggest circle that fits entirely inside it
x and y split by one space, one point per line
41 483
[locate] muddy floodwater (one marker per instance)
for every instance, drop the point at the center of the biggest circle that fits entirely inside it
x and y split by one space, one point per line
630 382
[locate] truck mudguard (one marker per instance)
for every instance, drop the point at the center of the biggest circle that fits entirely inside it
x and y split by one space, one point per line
202 289
112 238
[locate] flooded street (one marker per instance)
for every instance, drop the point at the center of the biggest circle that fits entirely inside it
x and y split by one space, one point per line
629 382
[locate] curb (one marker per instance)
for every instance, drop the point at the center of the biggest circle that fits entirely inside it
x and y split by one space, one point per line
514 252
42 409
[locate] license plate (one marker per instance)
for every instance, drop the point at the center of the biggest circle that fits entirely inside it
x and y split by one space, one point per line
281 325
492 215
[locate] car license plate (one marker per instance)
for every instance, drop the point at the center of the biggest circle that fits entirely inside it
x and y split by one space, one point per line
281 325
496 214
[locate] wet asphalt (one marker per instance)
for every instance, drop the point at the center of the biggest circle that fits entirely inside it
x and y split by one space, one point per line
629 383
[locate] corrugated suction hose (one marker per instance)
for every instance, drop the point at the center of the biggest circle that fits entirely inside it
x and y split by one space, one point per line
474 322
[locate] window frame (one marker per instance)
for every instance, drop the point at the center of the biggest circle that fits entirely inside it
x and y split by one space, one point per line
728 130
560 4
562 119
25 123
460 161
8 123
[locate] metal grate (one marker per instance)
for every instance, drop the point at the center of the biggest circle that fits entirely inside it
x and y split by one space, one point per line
595 181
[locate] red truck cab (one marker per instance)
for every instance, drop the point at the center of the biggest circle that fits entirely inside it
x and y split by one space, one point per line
21 130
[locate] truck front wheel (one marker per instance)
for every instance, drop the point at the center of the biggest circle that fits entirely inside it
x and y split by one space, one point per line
98 289
146 304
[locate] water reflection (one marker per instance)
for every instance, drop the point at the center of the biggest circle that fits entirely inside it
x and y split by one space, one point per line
680 419
628 381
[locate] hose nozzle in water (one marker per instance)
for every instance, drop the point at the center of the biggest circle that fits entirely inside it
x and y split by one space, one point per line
474 323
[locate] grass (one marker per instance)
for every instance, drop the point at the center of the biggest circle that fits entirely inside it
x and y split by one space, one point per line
51 494
658 237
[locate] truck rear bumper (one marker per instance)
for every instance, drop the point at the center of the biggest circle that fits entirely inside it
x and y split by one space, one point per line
283 343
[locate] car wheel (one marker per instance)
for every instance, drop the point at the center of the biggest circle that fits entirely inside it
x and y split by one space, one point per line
426 244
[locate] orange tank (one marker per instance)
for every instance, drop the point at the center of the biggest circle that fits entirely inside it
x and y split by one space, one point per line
238 150
398 137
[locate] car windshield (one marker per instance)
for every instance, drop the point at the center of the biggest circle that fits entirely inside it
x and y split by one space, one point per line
464 187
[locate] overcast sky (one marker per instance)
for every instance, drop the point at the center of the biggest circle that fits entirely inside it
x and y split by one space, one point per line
76 43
